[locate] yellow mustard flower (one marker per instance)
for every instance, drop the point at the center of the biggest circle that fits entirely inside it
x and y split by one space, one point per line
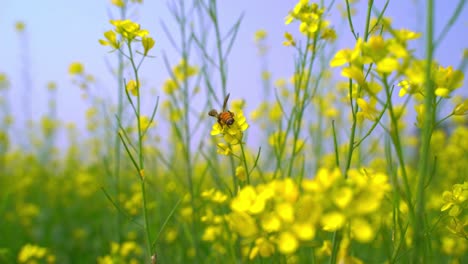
263 247
118 3
133 87
240 173
111 40
76 68
232 133
148 44
289 39
260 35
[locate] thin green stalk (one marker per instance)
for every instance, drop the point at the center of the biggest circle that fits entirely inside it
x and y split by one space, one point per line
117 146
354 108
141 169
244 160
420 240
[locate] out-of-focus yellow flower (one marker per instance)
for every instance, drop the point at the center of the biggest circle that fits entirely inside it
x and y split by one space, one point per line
30 253
289 39
223 149
240 173
170 86
214 195
367 110
260 35
184 70
263 247
20 26
287 243
145 123
387 65
133 87
4 83
243 224
51 86
148 44
128 29
76 68
407 88
333 221
118 3
111 40
232 133
461 108
355 73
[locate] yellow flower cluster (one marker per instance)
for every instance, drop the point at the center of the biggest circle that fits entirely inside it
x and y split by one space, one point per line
281 215
30 253
310 17
232 133
126 252
456 204
127 31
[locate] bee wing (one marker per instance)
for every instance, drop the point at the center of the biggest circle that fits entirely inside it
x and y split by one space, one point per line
225 102
213 112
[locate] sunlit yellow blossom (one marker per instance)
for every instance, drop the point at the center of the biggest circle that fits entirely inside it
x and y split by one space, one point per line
214 195
237 105
211 233
289 40
367 110
344 56
263 247
148 44
223 149
243 224
76 68
232 133
271 222
333 221
287 243
111 40
240 173
183 70
354 73
387 65
30 253
118 3
407 88
260 35
362 230
249 201
304 230
133 87
276 113
128 29
145 123
170 86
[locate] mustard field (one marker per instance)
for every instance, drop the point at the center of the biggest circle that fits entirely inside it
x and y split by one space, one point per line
359 156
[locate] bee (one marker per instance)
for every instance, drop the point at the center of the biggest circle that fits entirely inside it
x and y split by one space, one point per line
225 117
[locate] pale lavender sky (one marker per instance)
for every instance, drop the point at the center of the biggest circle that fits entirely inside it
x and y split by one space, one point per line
60 32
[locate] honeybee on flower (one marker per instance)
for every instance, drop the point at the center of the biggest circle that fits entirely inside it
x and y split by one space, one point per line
231 128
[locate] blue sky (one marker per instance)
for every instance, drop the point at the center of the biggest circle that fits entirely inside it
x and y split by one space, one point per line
60 32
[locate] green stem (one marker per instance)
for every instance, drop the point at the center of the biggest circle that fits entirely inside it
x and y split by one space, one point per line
419 255
354 108
141 162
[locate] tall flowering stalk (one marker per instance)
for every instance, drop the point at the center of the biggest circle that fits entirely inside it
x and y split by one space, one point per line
130 40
